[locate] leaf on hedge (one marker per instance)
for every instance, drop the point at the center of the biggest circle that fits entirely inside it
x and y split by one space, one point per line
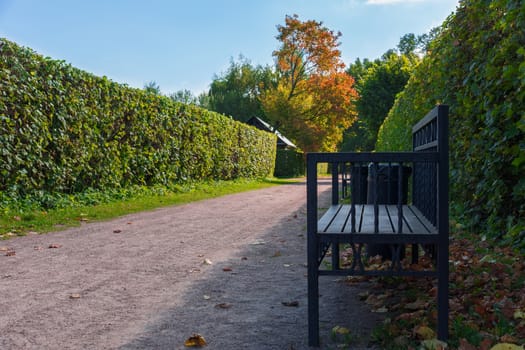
196 340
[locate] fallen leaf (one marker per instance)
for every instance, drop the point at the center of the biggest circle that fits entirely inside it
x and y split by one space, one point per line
258 242
416 305
434 344
507 338
293 303
506 346
223 306
340 330
55 246
75 296
425 333
380 310
363 295
10 253
207 297
207 262
117 231
196 340
227 269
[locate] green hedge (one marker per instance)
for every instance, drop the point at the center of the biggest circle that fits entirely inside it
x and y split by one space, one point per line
65 130
289 163
477 66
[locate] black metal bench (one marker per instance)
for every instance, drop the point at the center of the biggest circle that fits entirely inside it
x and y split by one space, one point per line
419 224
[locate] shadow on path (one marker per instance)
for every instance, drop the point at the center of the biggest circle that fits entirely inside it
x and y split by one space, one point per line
238 303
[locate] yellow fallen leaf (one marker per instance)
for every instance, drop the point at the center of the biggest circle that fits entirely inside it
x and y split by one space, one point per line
519 314
196 340
425 333
340 330
506 346
434 344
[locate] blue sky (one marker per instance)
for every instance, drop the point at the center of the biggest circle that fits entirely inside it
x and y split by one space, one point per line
182 44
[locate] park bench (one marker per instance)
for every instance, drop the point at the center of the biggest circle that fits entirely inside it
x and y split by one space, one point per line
419 225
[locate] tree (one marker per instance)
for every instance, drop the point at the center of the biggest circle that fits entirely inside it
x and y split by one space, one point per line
184 96
313 102
236 93
152 87
377 83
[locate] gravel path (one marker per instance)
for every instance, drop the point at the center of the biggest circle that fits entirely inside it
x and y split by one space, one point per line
221 268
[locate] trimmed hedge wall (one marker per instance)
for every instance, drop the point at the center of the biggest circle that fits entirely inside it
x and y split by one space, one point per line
477 66
289 163
66 130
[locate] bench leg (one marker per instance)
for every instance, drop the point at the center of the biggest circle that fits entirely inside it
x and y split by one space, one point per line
442 297
313 305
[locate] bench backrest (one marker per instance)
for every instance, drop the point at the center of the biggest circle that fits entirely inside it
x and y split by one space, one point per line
430 180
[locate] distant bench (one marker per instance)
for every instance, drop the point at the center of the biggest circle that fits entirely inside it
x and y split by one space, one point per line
385 219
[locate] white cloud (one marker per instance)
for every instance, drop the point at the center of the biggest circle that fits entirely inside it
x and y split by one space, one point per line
388 2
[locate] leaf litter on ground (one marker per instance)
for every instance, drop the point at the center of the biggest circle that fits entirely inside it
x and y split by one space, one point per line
487 303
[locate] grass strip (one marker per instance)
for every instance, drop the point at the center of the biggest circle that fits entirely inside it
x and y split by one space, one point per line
35 215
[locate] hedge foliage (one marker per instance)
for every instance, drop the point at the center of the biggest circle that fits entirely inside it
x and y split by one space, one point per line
66 130
477 66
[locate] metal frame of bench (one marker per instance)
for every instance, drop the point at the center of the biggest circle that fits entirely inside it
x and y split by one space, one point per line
424 222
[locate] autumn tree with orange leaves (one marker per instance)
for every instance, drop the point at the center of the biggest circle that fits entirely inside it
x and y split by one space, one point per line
313 102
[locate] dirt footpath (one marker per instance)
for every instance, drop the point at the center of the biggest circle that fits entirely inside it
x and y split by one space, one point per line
221 268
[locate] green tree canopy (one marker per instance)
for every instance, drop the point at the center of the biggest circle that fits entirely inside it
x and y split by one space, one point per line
377 83
236 92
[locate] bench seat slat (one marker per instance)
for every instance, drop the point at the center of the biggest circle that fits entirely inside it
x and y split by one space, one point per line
337 219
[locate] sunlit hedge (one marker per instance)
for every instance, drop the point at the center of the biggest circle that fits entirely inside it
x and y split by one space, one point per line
65 130
477 66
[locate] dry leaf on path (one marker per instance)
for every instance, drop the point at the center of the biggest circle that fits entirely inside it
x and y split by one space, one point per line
293 303
117 231
75 296
207 262
196 340
227 269
223 306
55 246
